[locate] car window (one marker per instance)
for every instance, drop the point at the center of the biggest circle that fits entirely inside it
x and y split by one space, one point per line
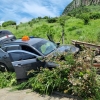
45 47
27 48
11 47
15 56
27 56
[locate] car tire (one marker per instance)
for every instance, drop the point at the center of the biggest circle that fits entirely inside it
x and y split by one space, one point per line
3 67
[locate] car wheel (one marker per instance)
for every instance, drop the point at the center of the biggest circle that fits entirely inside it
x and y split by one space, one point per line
3 67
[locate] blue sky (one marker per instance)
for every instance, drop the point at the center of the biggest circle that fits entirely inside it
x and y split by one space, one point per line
25 10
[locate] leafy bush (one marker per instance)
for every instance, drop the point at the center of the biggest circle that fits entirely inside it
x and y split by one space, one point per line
7 23
17 27
85 18
46 82
78 11
45 17
95 16
72 28
7 79
98 36
30 23
79 32
51 20
74 77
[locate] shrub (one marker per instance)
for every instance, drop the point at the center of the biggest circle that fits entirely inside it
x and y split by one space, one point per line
95 16
72 28
79 32
39 18
98 36
85 18
17 27
51 20
45 17
46 82
7 79
30 23
74 77
8 23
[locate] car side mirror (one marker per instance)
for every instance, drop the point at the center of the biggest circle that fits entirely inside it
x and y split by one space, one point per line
40 58
58 44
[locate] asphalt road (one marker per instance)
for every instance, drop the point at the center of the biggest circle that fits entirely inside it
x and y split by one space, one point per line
7 94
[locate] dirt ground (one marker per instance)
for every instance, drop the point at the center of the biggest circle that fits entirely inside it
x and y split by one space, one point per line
7 94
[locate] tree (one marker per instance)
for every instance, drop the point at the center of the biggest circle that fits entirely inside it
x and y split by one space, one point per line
85 18
39 18
62 23
45 17
52 20
7 23
17 27
30 23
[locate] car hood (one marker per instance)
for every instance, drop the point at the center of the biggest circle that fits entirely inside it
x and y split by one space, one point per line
66 48
63 49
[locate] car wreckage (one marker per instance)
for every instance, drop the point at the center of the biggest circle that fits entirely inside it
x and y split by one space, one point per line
26 54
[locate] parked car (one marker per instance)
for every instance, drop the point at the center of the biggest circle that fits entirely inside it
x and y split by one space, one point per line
24 53
6 36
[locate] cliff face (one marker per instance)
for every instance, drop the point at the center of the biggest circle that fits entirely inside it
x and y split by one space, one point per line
79 3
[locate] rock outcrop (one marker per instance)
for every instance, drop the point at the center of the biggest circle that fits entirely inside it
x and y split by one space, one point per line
79 3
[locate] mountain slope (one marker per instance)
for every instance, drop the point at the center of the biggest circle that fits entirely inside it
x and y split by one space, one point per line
79 3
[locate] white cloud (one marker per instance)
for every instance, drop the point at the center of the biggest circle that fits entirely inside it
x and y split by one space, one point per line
37 10
24 10
23 20
1 22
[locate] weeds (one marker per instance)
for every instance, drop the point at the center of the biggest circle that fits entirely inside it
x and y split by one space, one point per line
7 79
75 77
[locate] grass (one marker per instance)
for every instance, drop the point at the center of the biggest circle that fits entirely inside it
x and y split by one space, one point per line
74 30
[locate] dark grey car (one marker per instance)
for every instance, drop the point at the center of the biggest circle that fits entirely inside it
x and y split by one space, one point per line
21 53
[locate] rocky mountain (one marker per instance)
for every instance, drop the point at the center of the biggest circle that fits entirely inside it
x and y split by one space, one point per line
79 3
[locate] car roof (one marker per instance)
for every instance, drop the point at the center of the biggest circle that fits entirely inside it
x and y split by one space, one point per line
5 32
31 41
12 51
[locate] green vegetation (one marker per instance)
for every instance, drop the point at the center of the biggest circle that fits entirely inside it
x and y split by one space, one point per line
74 76
81 24
7 79
77 4
8 23
93 11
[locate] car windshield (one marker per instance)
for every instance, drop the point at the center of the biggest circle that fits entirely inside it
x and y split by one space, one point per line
45 47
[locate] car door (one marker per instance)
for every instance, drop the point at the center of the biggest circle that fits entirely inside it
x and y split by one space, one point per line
21 58
5 59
